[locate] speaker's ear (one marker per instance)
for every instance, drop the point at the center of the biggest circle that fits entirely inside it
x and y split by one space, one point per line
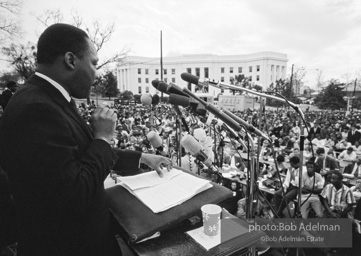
69 60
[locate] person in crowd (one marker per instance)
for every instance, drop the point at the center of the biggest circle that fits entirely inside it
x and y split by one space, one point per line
337 198
342 145
237 194
10 89
318 142
353 134
289 189
326 163
316 129
329 142
56 163
271 171
313 185
356 190
344 133
347 157
261 208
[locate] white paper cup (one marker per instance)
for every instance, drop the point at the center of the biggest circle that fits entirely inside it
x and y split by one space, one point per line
211 215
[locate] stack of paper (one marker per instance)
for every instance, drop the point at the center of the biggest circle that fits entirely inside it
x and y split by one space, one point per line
160 194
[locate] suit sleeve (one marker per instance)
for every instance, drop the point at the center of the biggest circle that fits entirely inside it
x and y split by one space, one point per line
127 162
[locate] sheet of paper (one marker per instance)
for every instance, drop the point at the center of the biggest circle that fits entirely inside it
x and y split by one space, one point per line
148 179
174 192
207 242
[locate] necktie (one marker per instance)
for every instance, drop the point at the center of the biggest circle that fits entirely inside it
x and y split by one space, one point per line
73 104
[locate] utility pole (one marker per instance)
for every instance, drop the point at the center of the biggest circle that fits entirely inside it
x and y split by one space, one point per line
291 81
353 95
161 62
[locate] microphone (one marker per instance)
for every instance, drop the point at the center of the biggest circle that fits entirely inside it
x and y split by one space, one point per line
186 101
155 99
179 100
195 149
156 142
146 99
194 80
155 84
171 88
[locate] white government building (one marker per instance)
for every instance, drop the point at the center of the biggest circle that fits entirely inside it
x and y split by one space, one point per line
136 73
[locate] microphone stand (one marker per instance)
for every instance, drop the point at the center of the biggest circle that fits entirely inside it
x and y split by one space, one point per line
218 161
251 178
179 131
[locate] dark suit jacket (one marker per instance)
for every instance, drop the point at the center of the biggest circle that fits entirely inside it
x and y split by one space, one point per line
330 162
57 169
352 138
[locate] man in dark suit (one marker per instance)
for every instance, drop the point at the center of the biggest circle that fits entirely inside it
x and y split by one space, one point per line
353 135
325 163
57 164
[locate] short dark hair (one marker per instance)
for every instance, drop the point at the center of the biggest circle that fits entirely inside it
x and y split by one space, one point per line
58 39
280 158
295 160
337 173
320 151
310 163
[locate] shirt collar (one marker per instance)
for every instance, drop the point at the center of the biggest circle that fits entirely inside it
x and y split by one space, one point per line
56 85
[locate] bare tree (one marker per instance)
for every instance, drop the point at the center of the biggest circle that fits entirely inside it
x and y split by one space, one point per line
22 57
49 17
98 34
9 25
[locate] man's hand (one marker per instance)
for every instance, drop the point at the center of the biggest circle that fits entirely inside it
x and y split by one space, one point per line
156 162
103 123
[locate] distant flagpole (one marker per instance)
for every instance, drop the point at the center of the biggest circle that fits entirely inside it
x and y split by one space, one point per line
161 61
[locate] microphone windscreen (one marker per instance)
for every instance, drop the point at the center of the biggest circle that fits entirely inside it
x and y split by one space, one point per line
190 144
155 99
154 139
200 135
146 99
176 99
190 78
163 87
155 83
173 88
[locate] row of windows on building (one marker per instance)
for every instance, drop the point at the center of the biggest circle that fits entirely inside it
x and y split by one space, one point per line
250 78
198 71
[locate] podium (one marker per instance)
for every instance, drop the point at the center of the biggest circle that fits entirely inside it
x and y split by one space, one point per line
137 221
134 222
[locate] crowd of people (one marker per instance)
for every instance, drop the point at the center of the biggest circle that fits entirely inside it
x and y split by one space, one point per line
331 150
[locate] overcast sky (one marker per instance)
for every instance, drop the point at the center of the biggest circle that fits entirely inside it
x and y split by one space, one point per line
316 34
